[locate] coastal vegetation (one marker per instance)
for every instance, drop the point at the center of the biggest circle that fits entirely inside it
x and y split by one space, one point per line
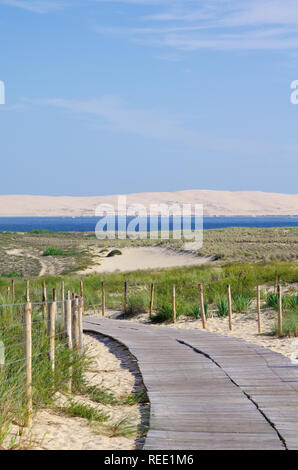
74 252
241 258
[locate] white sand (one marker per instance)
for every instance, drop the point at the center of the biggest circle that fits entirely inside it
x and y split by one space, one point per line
112 368
216 203
133 259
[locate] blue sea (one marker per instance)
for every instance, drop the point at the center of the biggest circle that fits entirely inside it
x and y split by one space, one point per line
88 224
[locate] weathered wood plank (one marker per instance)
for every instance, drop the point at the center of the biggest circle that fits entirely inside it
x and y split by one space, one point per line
204 392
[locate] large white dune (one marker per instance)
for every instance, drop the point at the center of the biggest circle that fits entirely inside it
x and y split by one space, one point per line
216 203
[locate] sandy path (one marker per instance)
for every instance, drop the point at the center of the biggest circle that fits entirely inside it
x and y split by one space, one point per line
46 266
133 259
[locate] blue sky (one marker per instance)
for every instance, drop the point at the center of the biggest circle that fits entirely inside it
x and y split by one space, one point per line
106 96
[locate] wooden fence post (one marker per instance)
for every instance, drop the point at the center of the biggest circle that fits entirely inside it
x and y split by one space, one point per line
125 296
68 329
44 302
259 309
280 312
12 291
174 302
62 300
151 301
52 321
68 320
28 291
27 321
202 306
8 291
82 297
103 299
80 325
230 307
76 325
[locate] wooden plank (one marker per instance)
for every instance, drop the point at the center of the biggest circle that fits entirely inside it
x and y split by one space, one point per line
205 393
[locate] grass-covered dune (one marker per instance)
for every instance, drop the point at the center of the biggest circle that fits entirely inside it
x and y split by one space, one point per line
39 252
243 278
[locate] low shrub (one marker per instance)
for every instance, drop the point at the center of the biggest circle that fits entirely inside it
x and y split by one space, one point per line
240 303
290 325
114 253
137 303
292 302
52 251
222 307
12 274
272 301
164 313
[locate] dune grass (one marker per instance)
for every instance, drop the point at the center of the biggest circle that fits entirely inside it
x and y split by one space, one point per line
243 279
12 373
230 245
81 410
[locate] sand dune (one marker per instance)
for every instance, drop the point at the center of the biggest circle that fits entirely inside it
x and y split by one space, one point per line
153 257
216 203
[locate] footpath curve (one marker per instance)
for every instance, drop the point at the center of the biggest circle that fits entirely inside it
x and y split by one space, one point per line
208 391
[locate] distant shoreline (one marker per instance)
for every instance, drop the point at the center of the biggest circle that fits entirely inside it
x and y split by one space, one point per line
88 224
273 216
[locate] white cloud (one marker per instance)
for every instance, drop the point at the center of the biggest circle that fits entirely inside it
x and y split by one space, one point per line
217 24
36 6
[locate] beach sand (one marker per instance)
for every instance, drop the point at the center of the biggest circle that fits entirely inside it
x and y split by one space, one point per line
134 258
114 369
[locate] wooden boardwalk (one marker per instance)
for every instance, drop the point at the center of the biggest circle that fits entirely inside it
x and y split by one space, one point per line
209 391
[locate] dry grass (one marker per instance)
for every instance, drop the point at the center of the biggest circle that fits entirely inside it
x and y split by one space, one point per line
248 245
22 253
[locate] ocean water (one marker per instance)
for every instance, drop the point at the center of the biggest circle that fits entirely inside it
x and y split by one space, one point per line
88 224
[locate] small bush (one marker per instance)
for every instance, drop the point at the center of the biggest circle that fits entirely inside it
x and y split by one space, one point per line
114 253
164 313
137 303
218 256
222 308
292 302
196 311
290 325
241 304
38 231
272 301
12 274
52 251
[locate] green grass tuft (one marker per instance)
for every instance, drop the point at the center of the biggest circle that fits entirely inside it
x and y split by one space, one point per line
81 410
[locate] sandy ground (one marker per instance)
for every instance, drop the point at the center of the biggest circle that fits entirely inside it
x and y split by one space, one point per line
134 258
48 266
112 368
244 326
